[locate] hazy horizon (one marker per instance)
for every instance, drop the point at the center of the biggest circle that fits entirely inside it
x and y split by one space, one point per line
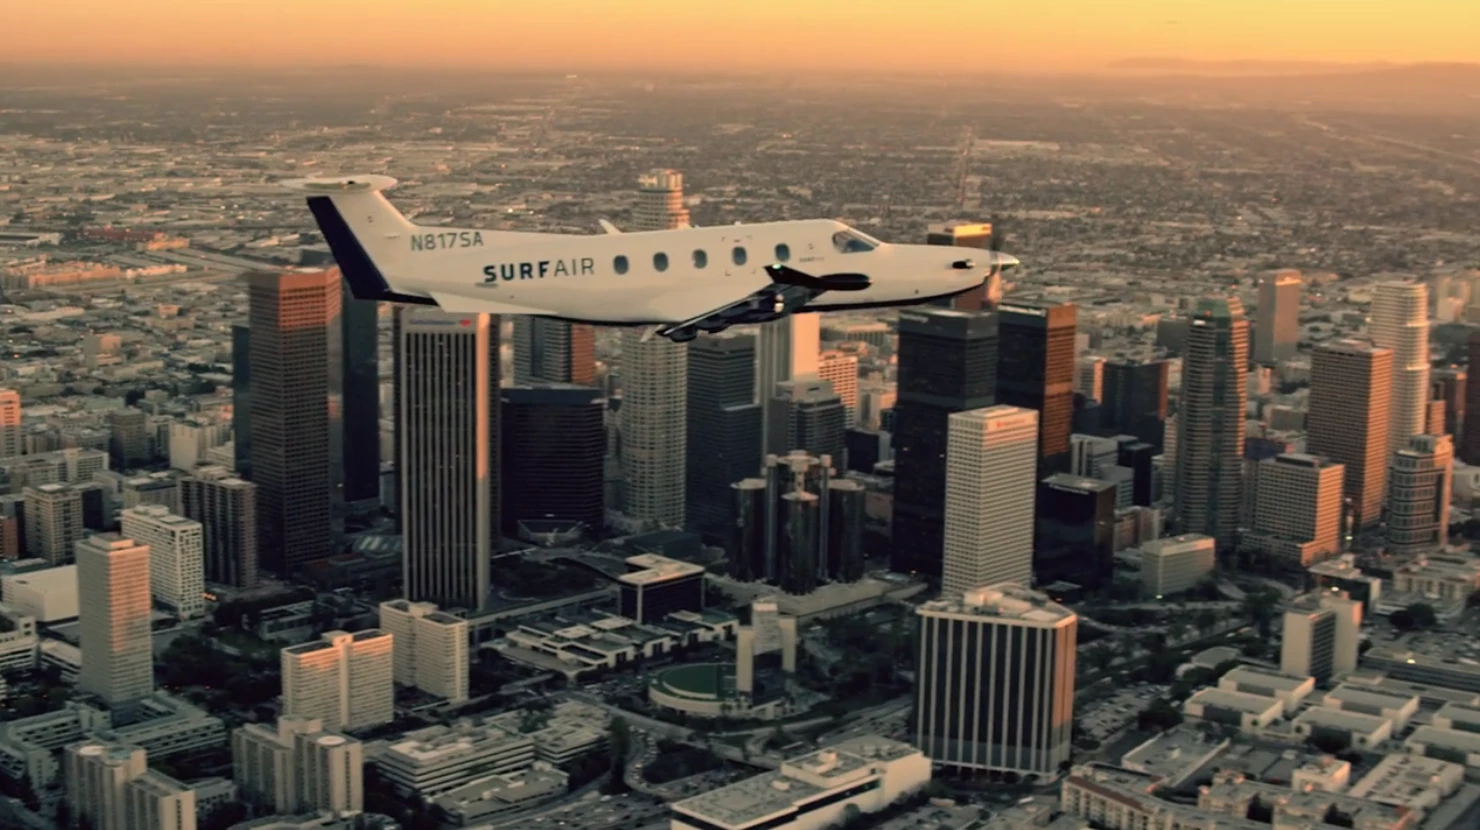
1070 36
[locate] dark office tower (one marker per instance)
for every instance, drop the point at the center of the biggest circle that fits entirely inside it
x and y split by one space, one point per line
947 363
748 542
554 448
654 587
864 449
1035 370
128 438
809 416
1450 385
297 402
724 427
800 533
1134 400
226 507
241 398
844 543
968 235
361 320
1139 457
1075 539
95 513
448 455
1210 418
553 351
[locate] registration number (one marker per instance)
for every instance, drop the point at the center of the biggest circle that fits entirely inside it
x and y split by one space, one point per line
445 240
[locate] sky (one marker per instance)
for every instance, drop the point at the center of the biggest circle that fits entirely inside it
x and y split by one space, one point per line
705 35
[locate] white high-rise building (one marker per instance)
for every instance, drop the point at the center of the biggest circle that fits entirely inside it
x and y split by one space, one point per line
156 801
1089 377
841 370
1297 513
53 521
1321 636
297 767
176 556
991 485
114 625
189 441
345 681
1277 325
11 433
655 386
431 648
1400 321
97 774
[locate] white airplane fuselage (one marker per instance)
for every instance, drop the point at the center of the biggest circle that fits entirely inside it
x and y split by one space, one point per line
645 277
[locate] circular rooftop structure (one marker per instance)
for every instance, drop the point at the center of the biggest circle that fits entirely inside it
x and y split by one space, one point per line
331 740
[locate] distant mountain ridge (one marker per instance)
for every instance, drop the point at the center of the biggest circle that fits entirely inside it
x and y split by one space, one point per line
1466 72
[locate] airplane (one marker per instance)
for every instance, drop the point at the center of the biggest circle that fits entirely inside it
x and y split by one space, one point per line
677 282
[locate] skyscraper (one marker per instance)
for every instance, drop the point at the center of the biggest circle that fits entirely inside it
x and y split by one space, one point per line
995 686
654 385
1277 325
1035 370
554 448
448 454
553 351
98 775
361 444
725 419
53 521
1469 445
1211 421
1322 635
115 631
1297 512
806 414
128 440
1134 400
991 462
1400 321
431 648
841 370
241 398
1347 421
1075 539
296 407
1419 487
786 349
947 363
968 235
1089 377
176 557
226 507
1450 385
11 433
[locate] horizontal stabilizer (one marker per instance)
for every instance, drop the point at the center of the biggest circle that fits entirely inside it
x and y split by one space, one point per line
786 275
608 227
459 304
341 184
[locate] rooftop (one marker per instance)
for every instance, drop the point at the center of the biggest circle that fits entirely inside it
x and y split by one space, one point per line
1255 676
1467 742
1238 701
1367 696
1321 716
655 568
1005 600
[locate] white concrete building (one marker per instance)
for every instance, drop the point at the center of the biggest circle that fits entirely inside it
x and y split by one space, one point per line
97 773
813 791
1400 321
49 595
297 767
431 648
176 557
19 646
991 488
115 626
344 680
1291 691
1176 563
1248 712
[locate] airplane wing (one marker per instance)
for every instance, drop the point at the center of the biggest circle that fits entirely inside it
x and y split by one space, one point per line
458 304
789 291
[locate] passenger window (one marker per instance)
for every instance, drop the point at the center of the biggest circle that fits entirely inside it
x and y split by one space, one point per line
701 259
620 265
783 252
738 255
660 262
848 242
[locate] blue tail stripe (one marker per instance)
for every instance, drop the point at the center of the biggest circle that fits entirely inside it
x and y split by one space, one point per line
365 280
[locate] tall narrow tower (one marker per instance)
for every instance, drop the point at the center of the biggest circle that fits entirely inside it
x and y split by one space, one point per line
1035 370
114 625
1347 422
990 488
448 454
553 351
787 349
1400 321
655 385
296 404
724 418
1210 445
1278 322
10 423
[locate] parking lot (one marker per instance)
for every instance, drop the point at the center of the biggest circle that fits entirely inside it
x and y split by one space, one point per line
1103 718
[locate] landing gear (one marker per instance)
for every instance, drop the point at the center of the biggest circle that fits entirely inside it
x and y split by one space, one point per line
683 335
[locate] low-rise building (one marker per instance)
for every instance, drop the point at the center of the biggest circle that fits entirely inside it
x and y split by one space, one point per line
1356 729
431 761
1247 712
1410 781
1397 708
1291 691
813 791
485 799
1453 745
1174 755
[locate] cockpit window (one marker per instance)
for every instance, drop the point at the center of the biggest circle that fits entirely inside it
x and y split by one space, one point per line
852 242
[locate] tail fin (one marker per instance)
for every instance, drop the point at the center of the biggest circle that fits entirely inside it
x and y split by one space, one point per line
364 231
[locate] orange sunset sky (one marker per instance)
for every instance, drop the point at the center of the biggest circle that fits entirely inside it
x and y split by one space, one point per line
933 35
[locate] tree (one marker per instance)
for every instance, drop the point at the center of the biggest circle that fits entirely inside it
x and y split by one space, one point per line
1423 615
619 740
